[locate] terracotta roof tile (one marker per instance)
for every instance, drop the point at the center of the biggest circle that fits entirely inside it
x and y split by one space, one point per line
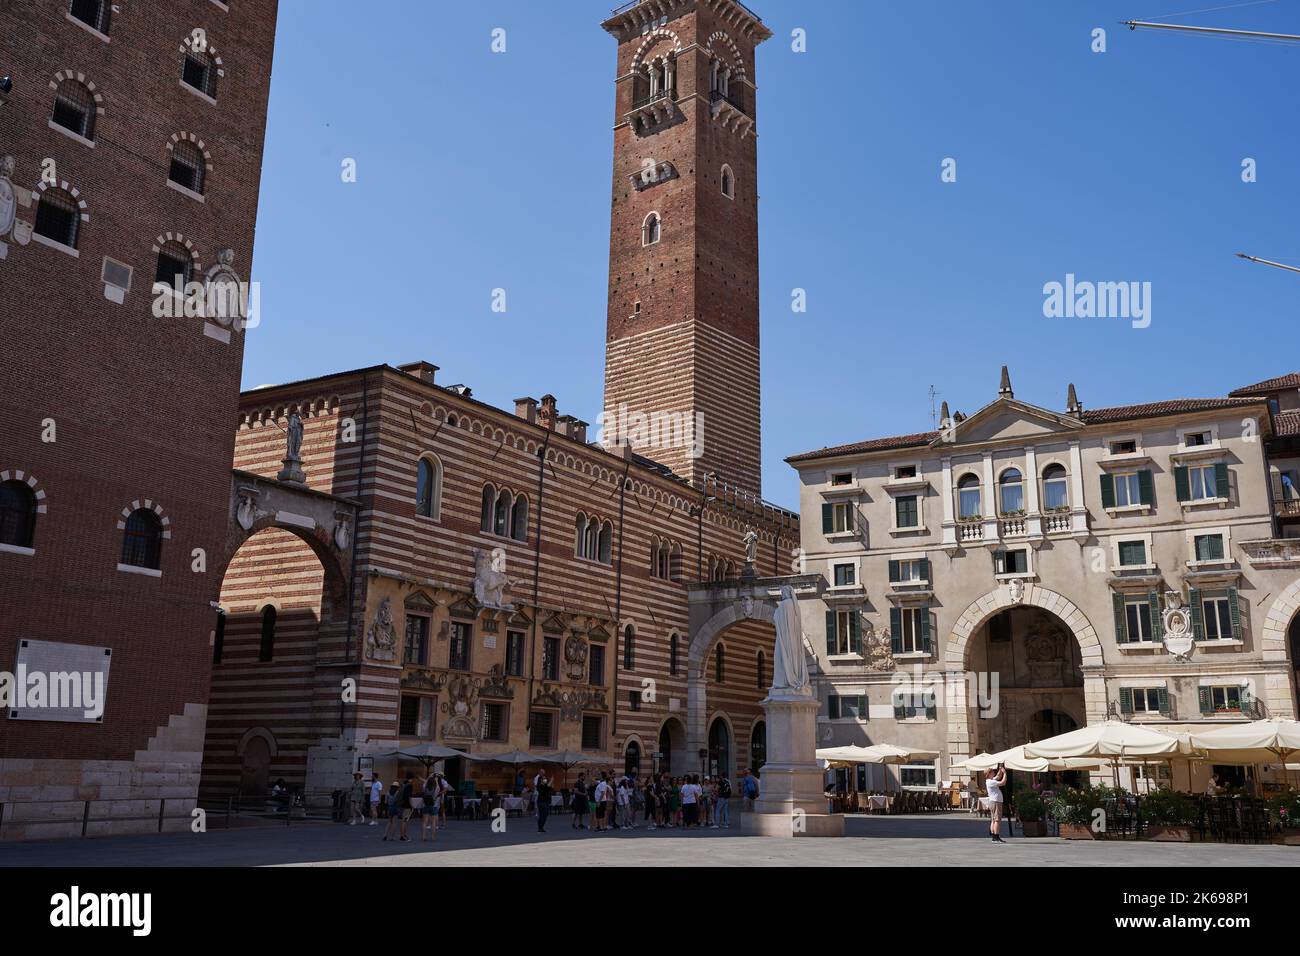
1287 423
875 444
1291 380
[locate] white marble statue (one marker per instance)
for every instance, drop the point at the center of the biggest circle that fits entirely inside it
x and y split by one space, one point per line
789 666
751 546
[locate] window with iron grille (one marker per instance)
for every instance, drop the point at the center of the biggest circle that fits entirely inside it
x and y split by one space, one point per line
494 722
596 665
142 540
198 72
74 109
173 265
458 652
415 716
541 731
634 700
57 216
515 653
17 514
592 736
187 166
417 639
550 658
93 13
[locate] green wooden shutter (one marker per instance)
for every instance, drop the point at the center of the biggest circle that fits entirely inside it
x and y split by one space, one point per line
1157 626
1146 490
1108 491
828 518
900 706
1198 613
893 571
1182 486
925 569
1126 700
1121 626
1234 613
895 630
1205 700
850 517
862 706
853 632
1221 485
931 705
924 615
833 706
830 633
1163 696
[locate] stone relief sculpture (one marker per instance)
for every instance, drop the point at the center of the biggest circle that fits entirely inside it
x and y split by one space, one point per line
381 637
789 666
246 510
462 694
342 530
575 657
1016 590
8 199
490 579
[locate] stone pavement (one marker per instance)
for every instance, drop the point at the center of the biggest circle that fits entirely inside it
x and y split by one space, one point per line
948 840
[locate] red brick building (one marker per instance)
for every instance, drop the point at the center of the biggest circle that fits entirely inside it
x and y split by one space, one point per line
135 130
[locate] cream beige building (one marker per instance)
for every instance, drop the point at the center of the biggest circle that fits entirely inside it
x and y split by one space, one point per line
1024 571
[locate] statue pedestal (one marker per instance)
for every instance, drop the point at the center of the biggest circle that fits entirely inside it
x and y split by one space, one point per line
790 801
292 472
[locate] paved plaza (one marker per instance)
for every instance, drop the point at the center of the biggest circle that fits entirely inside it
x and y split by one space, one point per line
947 840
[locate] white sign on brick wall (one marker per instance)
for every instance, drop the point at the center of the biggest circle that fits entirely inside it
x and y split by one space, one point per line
57 681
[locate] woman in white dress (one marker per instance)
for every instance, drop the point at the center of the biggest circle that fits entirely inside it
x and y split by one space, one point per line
995 780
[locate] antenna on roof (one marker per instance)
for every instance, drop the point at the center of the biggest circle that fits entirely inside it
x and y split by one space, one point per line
934 415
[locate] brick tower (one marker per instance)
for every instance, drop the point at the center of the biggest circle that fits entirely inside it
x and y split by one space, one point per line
681 363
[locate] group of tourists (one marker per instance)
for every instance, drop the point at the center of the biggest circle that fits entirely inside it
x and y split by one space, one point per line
691 801
422 799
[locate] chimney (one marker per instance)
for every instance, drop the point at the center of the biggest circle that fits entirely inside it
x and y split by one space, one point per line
1004 390
547 416
944 418
1072 404
526 408
579 430
564 425
424 371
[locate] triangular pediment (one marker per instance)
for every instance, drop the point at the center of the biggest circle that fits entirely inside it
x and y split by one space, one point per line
1008 419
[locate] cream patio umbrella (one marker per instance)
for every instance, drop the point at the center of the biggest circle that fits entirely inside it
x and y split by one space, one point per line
1274 740
1110 740
1015 759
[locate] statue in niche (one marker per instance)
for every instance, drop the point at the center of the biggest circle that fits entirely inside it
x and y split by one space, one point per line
381 637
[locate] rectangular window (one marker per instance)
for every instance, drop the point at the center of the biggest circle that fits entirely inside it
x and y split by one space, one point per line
905 471
71 116
1201 483
841 479
1128 490
1225 699
1137 615
1209 547
495 724
1132 554
634 700
1217 616
415 717
596 665
912 570
417 639
845 575
1015 561
183 174
842 513
541 731
906 512
1196 439
593 737
851 707
917 776
917 702
910 636
1146 700
515 653
550 658
1128 447
196 73
458 652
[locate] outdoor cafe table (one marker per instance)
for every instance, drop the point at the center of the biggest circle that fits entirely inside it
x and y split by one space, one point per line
878 802
514 804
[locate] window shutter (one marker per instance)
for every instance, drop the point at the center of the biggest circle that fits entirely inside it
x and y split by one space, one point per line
999 562
893 571
1198 613
1126 700
828 518
900 708
1146 492
833 706
850 517
1163 698
924 615
830 633
1121 626
1205 700
895 630
1221 486
1157 628
925 569
853 632
1234 613
862 706
1182 486
931 706
1108 491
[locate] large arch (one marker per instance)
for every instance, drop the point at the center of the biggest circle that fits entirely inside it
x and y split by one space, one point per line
1273 641
960 731
701 648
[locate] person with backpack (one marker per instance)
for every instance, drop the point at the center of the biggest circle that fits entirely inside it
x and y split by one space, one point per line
432 807
601 797
722 807
405 805
542 787
394 814
749 789
651 803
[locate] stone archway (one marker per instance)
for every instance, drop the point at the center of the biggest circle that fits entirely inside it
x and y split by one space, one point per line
959 709
1273 644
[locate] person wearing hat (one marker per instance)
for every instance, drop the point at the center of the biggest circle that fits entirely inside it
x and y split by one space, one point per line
357 797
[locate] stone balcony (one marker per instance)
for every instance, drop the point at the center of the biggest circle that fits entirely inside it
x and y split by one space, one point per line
652 111
1269 553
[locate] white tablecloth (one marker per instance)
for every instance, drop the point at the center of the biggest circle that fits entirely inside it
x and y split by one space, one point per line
879 802
557 800
514 803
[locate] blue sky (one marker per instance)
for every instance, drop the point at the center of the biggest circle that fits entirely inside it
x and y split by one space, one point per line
478 171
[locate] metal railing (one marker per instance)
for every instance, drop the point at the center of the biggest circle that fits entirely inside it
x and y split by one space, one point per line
653 98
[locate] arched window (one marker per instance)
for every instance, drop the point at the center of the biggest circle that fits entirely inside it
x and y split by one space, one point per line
591 539
606 543
267 647
142 540
428 487
74 108
650 229
174 264
719 664
519 519
758 747
58 216
629 648
762 670
632 759
968 496
200 73
187 166
1011 489
728 183
489 502
501 514
93 13
1056 490
580 535
17 514
675 563
672 656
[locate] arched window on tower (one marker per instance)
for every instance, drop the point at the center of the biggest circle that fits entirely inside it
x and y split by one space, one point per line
174 265
519 519
501 514
74 108
728 183
650 229
489 502
142 540
629 648
672 655
762 670
58 217
606 543
17 514
266 649
428 487
187 166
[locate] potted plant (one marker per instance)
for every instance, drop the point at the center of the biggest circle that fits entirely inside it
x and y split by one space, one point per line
1169 815
1076 809
1286 806
1030 810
